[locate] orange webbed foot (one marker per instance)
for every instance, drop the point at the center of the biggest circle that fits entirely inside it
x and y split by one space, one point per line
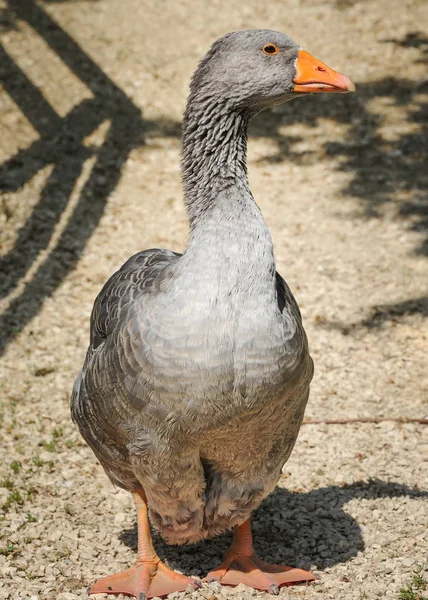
149 577
241 565
143 581
257 574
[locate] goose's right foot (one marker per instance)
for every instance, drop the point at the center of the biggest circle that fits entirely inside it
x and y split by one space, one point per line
144 580
149 577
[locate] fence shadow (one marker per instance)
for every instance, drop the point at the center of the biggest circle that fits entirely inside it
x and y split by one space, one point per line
298 529
61 144
7 19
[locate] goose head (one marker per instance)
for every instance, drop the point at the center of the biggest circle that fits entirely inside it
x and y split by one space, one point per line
256 69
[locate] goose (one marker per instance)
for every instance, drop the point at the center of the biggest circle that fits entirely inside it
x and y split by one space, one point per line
197 375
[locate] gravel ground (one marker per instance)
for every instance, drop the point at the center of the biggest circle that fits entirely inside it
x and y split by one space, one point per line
90 125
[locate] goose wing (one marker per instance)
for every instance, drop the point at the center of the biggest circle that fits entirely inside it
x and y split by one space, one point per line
113 386
135 277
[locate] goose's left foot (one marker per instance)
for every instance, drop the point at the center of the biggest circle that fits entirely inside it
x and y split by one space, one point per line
240 565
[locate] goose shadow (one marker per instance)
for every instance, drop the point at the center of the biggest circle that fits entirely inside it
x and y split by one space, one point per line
300 529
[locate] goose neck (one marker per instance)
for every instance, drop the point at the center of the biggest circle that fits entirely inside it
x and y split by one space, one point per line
214 154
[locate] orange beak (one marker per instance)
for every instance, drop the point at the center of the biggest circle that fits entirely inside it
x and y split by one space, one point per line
314 76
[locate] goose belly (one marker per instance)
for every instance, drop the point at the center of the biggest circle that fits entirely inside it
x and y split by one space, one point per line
243 461
234 393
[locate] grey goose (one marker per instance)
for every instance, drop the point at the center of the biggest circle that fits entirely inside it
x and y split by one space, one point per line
197 375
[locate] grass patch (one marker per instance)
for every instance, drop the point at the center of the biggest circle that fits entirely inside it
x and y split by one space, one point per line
414 589
13 498
31 518
8 550
51 446
57 432
16 466
30 491
7 484
40 463
16 497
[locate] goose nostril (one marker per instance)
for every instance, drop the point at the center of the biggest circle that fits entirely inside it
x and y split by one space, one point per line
321 69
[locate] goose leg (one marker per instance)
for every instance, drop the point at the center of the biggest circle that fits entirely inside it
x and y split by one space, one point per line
149 577
241 565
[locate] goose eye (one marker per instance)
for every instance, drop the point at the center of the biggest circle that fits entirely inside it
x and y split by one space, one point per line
270 49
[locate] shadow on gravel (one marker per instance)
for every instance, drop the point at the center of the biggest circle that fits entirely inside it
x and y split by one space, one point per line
389 172
61 144
386 171
383 172
381 314
414 39
7 20
298 529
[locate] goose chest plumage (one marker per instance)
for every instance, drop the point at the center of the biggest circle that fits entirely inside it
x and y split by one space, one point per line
198 371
